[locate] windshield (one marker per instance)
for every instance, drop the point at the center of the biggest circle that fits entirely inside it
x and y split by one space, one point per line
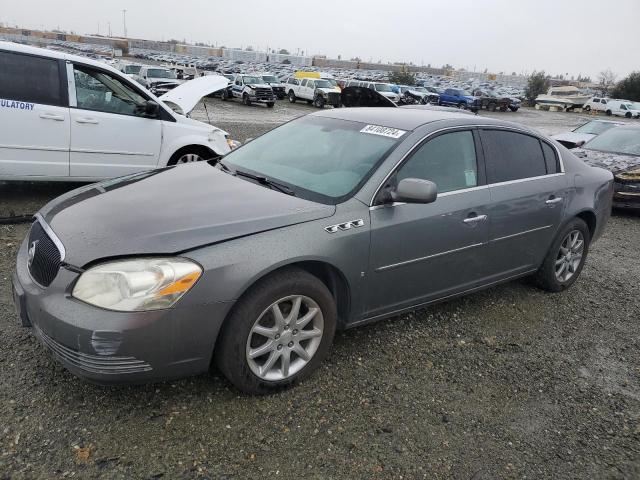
321 159
160 73
132 69
617 140
382 87
419 89
323 84
270 79
331 81
252 80
594 128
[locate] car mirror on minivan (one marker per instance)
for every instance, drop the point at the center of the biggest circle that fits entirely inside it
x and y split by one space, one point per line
415 190
151 108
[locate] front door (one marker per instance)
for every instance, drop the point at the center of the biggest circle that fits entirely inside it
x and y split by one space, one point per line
110 136
34 117
421 252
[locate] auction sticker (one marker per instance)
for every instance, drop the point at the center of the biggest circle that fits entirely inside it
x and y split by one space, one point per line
384 131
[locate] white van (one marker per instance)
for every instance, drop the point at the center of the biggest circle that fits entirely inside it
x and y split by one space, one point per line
622 108
69 118
598 104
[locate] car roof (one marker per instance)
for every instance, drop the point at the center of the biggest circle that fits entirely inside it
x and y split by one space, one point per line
403 118
45 52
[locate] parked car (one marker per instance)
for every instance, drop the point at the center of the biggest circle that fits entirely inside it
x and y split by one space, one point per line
383 89
70 118
417 95
455 97
332 220
491 101
585 132
130 69
617 150
622 108
251 89
317 91
598 104
279 88
158 80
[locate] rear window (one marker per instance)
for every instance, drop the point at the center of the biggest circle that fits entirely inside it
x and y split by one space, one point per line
512 156
30 79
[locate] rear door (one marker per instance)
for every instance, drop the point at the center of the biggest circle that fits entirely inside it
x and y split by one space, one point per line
110 135
421 252
528 194
34 116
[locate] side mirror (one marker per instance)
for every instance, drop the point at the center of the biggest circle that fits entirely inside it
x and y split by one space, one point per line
151 108
415 190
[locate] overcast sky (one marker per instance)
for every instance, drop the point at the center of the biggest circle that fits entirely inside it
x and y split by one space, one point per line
559 36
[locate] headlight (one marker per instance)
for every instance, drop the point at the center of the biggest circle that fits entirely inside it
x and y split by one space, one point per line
137 285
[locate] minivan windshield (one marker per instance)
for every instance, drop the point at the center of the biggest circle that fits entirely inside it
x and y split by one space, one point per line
617 140
320 159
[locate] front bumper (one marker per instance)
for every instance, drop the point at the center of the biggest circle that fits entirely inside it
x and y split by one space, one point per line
626 194
107 347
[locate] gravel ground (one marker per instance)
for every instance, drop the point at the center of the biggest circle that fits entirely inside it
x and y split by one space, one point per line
507 383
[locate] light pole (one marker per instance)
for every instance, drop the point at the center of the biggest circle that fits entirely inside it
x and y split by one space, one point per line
124 22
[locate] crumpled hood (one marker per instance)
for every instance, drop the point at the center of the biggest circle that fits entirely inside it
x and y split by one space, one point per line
168 211
259 85
614 162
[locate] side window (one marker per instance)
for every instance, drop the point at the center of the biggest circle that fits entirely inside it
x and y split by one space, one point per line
101 92
596 100
30 79
512 156
603 100
448 160
623 107
550 158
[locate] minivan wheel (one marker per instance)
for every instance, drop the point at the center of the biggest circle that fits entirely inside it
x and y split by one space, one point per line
628 114
278 333
566 257
189 155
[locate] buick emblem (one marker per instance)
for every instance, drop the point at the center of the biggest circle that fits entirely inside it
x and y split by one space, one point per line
32 251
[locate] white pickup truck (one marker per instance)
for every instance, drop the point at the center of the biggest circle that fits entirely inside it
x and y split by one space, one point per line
314 90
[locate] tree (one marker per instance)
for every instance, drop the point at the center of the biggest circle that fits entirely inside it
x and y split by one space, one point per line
537 83
606 79
403 77
628 88
284 51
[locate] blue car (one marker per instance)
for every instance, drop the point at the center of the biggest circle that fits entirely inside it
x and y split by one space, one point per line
455 97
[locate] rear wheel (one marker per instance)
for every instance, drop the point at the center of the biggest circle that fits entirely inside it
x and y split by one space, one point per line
566 257
608 112
278 333
587 108
224 95
628 114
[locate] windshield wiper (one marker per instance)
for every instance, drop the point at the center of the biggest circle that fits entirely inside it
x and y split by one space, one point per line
266 181
224 167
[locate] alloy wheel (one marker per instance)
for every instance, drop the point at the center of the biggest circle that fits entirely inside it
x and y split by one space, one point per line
188 158
284 338
569 255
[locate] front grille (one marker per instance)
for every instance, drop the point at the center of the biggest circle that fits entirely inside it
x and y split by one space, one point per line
264 93
99 364
44 256
334 98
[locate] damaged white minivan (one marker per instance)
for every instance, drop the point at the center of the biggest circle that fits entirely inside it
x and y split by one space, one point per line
69 118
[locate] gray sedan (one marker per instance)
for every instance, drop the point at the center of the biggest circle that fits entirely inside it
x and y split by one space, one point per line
333 220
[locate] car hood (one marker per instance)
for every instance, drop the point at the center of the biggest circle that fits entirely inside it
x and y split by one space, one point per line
614 162
168 211
185 97
165 81
259 85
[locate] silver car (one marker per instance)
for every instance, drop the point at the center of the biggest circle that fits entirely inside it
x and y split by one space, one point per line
333 220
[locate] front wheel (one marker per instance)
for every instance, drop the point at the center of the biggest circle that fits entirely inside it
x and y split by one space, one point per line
566 257
270 104
627 115
246 100
292 97
319 102
462 106
278 333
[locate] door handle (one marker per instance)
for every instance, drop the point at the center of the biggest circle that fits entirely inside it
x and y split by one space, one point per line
86 120
475 219
52 116
553 201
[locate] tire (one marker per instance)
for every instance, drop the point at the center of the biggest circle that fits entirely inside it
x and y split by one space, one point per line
319 102
246 100
462 106
292 97
546 277
254 310
189 155
310 102
224 95
270 104
587 108
627 115
608 112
